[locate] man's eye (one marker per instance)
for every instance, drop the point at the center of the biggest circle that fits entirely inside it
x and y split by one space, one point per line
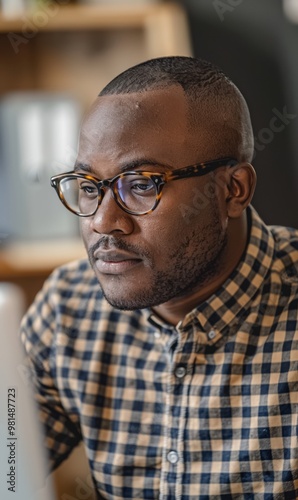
142 186
88 189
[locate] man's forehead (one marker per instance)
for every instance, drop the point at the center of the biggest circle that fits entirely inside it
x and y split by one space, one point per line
150 102
151 120
125 127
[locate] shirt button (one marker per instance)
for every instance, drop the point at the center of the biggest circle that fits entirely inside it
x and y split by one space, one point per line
211 335
173 457
180 371
157 335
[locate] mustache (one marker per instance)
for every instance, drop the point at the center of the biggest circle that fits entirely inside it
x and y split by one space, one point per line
112 243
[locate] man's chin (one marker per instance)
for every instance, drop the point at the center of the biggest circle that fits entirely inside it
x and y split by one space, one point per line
139 299
124 304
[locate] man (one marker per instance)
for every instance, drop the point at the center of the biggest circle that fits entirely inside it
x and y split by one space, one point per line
173 354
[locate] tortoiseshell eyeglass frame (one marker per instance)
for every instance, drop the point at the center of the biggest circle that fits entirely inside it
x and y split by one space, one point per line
159 180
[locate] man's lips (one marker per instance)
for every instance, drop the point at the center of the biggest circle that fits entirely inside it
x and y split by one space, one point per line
115 262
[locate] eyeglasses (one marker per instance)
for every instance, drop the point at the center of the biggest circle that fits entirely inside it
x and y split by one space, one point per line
136 192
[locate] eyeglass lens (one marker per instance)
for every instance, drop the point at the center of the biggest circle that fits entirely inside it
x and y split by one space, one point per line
133 191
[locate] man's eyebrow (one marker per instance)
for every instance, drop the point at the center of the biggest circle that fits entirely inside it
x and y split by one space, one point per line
132 165
82 166
141 162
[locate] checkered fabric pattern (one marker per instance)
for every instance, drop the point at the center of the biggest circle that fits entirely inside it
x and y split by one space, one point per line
206 410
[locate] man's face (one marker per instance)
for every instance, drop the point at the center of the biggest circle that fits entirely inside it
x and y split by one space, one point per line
147 260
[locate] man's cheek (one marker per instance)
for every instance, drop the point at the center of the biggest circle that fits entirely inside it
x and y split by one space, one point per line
85 231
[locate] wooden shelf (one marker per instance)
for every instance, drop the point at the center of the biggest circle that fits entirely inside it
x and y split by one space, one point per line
53 52
38 258
79 17
27 265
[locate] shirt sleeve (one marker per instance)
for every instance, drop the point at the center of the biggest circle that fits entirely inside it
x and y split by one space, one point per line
38 333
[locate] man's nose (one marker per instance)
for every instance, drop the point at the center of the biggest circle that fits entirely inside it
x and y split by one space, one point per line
110 218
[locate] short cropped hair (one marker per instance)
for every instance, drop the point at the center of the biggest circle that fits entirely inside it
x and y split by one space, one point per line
204 84
190 73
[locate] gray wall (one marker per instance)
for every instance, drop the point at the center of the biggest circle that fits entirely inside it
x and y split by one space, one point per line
253 42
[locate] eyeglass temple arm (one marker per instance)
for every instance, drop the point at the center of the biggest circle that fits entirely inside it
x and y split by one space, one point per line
200 169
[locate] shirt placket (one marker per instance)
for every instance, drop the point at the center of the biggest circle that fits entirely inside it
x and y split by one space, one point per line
180 351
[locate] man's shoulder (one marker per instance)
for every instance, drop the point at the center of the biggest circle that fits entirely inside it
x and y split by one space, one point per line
286 238
284 234
286 248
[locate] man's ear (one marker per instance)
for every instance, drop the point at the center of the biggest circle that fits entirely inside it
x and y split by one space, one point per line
240 188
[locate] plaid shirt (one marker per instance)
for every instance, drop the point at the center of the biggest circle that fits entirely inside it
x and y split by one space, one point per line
204 410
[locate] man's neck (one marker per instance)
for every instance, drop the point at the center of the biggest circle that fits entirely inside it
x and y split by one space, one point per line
176 309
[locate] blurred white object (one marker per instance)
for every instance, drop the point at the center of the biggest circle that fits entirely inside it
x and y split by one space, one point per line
22 460
12 308
38 138
291 10
14 8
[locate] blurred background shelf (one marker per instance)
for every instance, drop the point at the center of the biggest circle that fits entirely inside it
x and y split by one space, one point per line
78 49
28 264
34 258
79 17
56 51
